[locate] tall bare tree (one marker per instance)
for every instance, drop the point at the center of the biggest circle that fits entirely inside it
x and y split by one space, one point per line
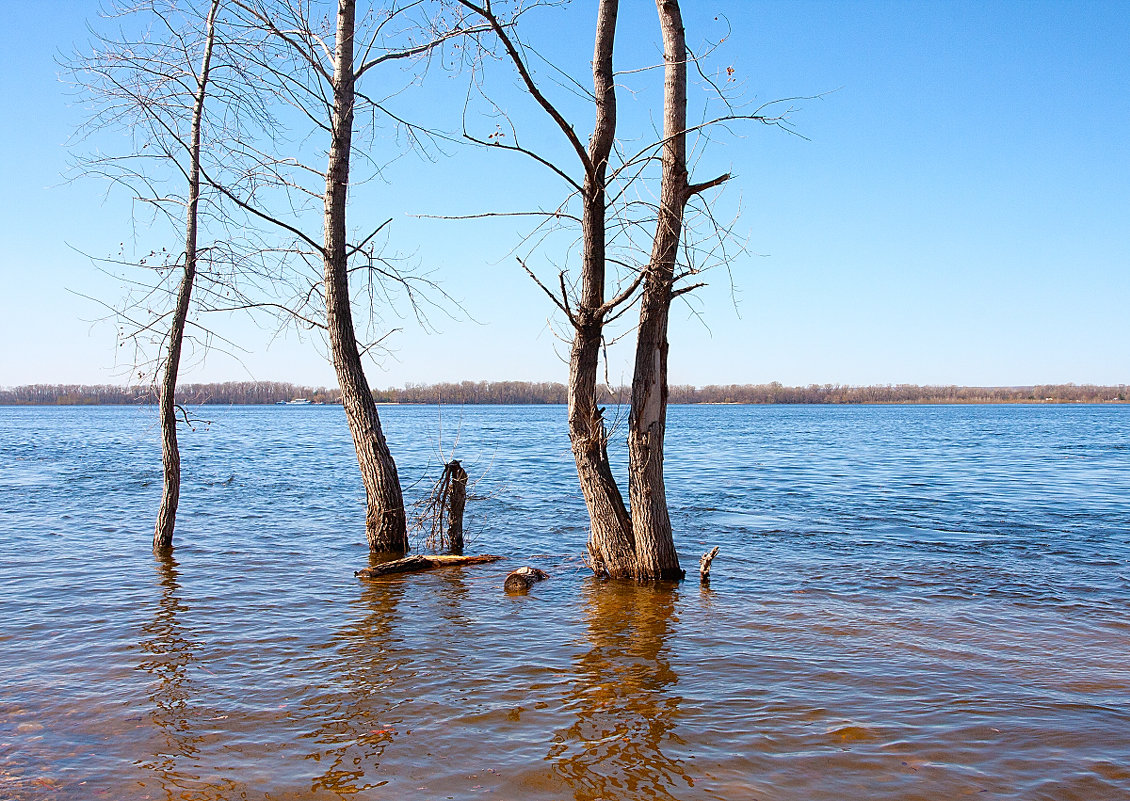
317 70
154 83
647 422
638 545
385 523
170 449
610 542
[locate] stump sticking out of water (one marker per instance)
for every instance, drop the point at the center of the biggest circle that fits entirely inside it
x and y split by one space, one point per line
704 565
523 578
413 564
456 502
442 516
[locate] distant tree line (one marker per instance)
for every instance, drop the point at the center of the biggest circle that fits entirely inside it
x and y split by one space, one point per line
897 393
479 392
232 392
548 392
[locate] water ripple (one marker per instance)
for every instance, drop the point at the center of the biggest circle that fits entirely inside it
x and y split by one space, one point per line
910 603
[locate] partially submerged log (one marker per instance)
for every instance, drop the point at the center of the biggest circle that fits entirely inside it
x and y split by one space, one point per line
523 578
704 565
414 564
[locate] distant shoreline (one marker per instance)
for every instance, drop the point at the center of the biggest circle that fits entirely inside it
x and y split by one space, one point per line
524 393
624 403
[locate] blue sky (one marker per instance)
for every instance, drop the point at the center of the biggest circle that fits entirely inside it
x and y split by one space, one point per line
956 213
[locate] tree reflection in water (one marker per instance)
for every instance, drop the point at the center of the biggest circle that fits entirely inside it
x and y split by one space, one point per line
357 719
180 727
453 596
626 710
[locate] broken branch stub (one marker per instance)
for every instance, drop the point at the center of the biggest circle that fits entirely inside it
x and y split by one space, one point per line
441 517
704 564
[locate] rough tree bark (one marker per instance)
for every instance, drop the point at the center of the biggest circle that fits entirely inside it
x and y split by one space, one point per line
456 503
170 450
647 423
610 533
385 524
622 544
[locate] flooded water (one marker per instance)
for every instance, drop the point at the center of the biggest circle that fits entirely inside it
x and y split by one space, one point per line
909 603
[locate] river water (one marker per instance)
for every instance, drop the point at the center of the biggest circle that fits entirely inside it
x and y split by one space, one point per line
909 603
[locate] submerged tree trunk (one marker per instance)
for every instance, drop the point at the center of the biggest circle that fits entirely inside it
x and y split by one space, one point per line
170 450
610 536
385 524
647 424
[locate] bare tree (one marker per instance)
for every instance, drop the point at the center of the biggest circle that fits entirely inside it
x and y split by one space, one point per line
638 545
316 70
647 423
154 84
384 515
170 450
610 541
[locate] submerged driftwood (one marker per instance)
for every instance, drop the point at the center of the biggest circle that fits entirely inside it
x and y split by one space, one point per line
414 564
704 565
523 578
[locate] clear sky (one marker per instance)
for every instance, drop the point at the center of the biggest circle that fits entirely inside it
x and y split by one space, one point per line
959 211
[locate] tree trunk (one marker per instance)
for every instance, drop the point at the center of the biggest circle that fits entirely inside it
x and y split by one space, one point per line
610 534
647 424
170 450
385 524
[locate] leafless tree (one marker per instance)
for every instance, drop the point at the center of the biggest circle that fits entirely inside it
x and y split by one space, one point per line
319 71
614 216
647 423
152 78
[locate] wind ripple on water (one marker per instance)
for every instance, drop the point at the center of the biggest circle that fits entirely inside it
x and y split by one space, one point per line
910 602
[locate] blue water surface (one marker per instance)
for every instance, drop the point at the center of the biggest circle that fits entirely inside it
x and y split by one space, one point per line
909 602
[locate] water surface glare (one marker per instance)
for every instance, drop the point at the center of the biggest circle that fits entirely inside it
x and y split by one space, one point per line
910 603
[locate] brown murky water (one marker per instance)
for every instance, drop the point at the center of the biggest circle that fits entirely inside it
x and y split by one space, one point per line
892 616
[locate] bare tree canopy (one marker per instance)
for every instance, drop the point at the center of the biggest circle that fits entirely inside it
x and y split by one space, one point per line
639 233
304 96
155 85
265 176
331 68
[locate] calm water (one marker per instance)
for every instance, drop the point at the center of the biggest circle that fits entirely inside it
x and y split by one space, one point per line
909 603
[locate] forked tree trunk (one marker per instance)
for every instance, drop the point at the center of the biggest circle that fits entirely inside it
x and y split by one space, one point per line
170 450
647 424
385 524
610 533
622 545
